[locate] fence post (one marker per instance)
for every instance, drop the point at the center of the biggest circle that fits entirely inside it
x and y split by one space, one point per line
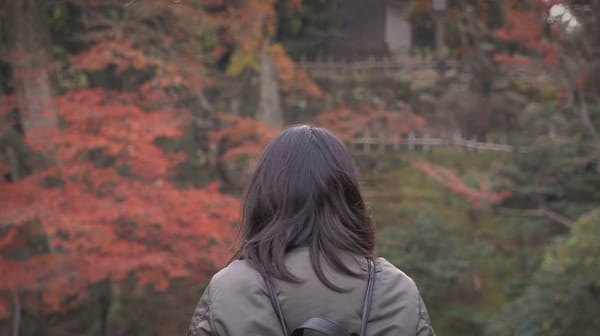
371 65
396 142
457 140
385 66
411 141
426 139
476 144
317 65
351 65
366 144
342 68
382 140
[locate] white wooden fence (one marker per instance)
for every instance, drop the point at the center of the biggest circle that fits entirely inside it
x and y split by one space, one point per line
386 66
395 142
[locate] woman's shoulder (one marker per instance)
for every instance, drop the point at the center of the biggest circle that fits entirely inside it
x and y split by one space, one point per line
387 268
393 280
397 292
234 303
239 272
238 275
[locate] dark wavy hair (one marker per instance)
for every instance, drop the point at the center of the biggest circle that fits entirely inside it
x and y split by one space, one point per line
304 192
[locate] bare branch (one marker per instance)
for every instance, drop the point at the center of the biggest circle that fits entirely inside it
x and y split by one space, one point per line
204 102
540 212
128 3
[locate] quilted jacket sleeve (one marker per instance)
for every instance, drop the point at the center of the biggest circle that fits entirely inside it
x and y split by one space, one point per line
201 323
424 327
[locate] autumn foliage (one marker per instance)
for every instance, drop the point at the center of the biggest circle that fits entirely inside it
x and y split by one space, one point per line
348 123
292 78
527 27
240 138
107 210
97 202
478 196
103 207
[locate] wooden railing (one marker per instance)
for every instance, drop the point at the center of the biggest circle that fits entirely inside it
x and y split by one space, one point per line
403 65
371 67
395 142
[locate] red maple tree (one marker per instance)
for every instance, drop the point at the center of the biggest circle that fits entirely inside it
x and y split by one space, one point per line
478 195
107 208
103 207
241 138
349 123
525 26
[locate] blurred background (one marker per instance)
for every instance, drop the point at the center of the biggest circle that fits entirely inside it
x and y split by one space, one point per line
128 130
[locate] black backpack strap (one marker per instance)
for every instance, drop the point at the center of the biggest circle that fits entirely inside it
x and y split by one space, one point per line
275 304
321 325
367 302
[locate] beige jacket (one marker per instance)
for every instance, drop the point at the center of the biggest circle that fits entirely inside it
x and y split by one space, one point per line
235 301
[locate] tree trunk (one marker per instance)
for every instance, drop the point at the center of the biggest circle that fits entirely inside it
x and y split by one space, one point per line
28 40
105 305
16 314
240 83
269 107
13 162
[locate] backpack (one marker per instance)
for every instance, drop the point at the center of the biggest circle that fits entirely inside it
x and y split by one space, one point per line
322 325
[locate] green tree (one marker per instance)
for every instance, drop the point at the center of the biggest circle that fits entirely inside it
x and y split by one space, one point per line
563 297
307 32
